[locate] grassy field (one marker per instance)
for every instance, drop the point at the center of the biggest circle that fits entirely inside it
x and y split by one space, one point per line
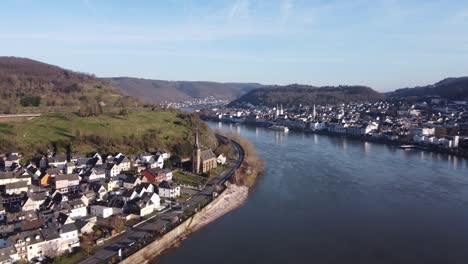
142 130
195 181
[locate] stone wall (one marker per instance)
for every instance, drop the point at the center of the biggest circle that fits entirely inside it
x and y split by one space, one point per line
151 251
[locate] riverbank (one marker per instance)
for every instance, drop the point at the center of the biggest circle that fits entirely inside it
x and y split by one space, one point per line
252 167
398 143
231 198
425 147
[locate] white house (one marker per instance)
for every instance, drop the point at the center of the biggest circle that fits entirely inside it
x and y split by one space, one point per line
221 159
58 162
33 201
67 182
169 174
68 237
149 204
112 170
16 187
104 211
146 208
157 162
77 209
164 154
318 126
21 175
70 167
146 157
168 190
12 159
122 162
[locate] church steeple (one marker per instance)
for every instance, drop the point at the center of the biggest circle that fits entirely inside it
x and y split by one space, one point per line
314 113
196 156
197 145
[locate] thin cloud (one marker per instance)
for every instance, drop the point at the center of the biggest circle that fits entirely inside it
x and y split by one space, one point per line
240 9
287 8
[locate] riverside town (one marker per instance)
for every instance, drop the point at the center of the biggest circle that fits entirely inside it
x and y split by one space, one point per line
434 124
108 206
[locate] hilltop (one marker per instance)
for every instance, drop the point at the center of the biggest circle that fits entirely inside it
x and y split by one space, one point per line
450 88
26 83
307 95
159 91
85 113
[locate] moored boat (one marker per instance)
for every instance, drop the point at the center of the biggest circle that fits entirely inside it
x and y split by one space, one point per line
279 128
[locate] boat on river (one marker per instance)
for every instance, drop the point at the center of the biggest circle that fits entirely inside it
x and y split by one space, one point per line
279 128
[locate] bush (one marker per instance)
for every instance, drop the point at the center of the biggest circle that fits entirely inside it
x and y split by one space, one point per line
30 101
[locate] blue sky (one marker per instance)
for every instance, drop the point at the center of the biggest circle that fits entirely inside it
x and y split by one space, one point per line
384 44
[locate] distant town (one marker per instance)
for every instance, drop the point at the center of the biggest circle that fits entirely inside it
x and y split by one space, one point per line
434 124
198 103
59 203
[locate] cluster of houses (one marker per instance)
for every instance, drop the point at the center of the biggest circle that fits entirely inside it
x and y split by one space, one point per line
46 206
433 121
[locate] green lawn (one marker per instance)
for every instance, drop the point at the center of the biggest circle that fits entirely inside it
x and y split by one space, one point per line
71 258
141 130
188 179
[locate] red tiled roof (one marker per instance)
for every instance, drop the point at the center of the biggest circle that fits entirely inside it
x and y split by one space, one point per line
148 175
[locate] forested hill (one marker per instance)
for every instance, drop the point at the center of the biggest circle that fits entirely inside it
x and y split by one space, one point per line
450 88
306 95
158 91
25 83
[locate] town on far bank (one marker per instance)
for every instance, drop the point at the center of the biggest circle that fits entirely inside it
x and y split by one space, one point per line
72 207
434 123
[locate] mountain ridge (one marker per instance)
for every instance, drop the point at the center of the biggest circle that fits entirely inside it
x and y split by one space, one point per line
159 91
296 94
453 88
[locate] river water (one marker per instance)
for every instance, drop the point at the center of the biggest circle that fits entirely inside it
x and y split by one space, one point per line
334 200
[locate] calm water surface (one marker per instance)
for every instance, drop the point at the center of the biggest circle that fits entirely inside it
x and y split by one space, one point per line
335 200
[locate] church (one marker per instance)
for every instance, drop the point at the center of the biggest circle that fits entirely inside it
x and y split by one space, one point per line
202 161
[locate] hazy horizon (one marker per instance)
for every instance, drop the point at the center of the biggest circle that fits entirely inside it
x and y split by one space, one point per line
383 44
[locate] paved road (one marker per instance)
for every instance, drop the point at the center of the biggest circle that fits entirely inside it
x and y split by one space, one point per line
111 247
20 115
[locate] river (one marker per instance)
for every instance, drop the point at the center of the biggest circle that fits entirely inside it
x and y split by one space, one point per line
335 200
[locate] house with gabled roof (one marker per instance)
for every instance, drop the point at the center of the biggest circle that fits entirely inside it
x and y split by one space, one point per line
70 167
14 187
58 161
100 190
65 183
45 180
15 176
131 181
33 201
75 209
168 190
12 158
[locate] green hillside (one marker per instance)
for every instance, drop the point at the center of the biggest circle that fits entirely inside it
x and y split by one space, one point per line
135 132
31 86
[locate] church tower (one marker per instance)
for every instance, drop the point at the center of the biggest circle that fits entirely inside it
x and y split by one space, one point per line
314 113
196 156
